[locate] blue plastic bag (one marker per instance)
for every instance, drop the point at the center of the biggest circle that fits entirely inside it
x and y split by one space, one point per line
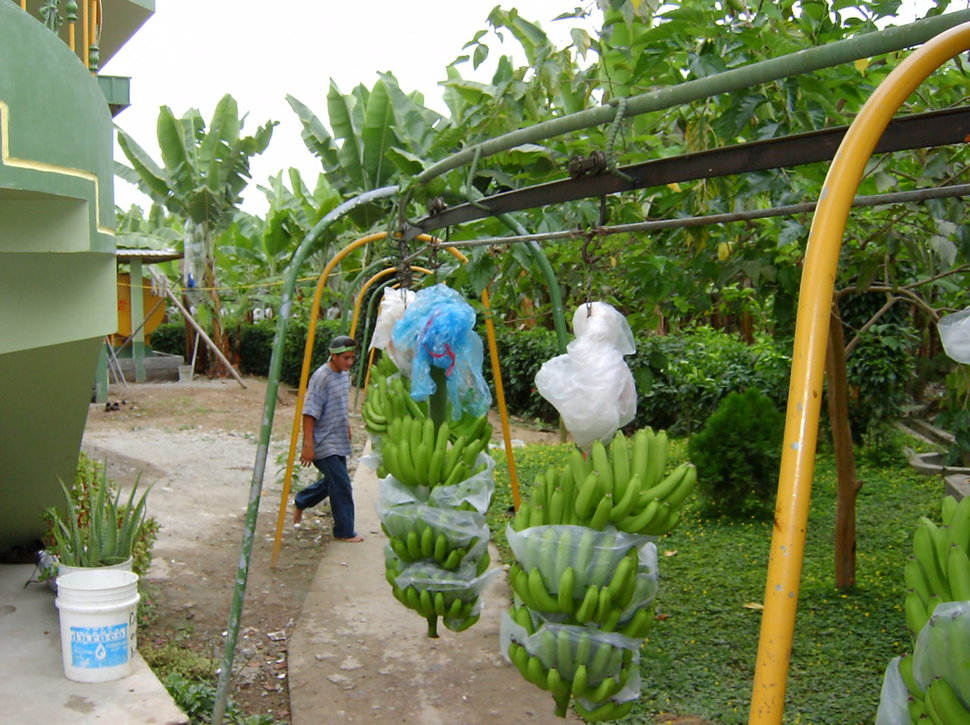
438 328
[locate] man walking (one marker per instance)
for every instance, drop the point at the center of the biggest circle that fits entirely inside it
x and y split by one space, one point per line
326 439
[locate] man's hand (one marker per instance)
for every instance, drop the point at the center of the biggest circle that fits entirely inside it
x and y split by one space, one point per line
306 454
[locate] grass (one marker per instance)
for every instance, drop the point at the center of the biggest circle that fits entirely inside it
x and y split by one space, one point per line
699 659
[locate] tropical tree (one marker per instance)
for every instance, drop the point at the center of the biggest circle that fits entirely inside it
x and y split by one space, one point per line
201 179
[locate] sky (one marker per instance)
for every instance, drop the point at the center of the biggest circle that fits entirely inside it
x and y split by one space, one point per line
192 52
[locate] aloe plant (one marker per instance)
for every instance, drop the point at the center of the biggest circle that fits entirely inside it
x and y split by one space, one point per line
99 529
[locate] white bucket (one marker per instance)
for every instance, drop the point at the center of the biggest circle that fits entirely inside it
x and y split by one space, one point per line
99 618
185 373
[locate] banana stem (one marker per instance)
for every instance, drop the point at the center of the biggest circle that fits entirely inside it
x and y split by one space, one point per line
562 705
438 402
433 626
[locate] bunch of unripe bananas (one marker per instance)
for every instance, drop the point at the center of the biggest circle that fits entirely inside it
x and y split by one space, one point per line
623 485
585 574
937 674
437 556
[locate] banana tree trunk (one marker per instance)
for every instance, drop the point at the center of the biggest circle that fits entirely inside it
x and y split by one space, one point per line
848 484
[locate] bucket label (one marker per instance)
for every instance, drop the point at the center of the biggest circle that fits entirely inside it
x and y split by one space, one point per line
95 647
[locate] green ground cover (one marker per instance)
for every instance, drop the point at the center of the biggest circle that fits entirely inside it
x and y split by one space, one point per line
699 659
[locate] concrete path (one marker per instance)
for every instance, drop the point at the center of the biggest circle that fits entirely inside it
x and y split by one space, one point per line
358 656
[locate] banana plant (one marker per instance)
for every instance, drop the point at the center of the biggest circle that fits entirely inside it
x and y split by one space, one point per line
201 178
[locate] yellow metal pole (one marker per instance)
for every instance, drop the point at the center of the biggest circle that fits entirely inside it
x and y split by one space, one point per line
808 364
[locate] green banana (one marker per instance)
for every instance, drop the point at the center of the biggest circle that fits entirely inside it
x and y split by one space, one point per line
958 573
413 543
656 458
587 607
604 606
639 452
958 531
906 672
601 464
629 496
620 460
536 673
915 579
586 496
943 705
427 543
565 593
580 679
925 551
601 516
637 522
619 584
537 589
639 624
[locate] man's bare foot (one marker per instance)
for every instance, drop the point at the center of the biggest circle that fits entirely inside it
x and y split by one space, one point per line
352 540
297 514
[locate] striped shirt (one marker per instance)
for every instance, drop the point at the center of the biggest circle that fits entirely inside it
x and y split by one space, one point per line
327 400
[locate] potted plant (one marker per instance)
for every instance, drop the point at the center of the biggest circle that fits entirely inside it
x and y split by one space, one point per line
99 528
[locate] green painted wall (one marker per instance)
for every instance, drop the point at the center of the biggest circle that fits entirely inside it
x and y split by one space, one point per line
57 265
45 393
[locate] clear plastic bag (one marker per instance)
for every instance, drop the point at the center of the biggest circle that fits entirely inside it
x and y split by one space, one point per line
594 555
566 646
955 335
943 649
893 698
593 369
437 328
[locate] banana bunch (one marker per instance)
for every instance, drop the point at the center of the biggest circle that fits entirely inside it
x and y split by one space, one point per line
414 539
434 593
939 570
936 674
471 427
939 703
389 398
441 537
418 455
572 662
590 577
623 485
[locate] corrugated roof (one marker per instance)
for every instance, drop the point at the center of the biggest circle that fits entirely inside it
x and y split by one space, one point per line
147 255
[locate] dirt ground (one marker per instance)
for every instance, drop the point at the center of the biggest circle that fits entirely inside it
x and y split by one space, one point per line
196 443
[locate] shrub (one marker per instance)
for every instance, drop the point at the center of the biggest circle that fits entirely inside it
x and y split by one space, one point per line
169 337
681 378
737 454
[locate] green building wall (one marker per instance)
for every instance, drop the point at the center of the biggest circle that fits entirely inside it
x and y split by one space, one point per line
57 265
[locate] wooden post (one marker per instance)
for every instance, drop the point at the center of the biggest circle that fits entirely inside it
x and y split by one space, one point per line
837 386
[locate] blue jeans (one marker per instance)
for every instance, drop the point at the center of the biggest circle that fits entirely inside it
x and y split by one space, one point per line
335 484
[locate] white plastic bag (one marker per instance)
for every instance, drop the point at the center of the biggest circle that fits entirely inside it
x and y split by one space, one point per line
392 307
591 385
955 335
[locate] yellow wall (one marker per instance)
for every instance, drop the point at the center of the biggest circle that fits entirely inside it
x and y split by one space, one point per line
151 303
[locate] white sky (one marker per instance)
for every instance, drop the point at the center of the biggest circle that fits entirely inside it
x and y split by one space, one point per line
191 52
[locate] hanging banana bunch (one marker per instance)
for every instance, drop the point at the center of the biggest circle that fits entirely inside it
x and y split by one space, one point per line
937 610
585 575
436 484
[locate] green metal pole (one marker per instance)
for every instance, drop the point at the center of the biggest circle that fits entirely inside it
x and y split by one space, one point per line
136 311
803 61
262 451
